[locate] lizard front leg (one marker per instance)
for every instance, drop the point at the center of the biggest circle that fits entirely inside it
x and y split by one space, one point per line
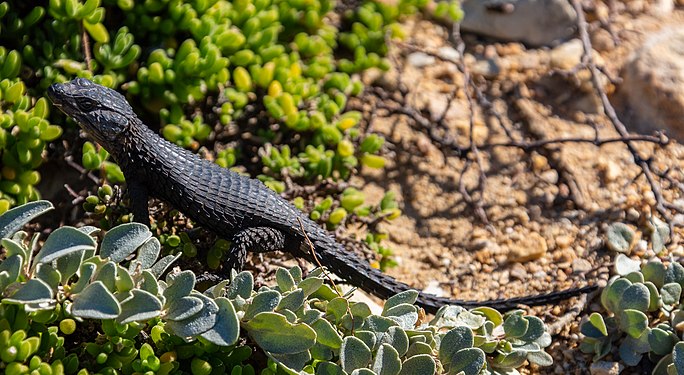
138 195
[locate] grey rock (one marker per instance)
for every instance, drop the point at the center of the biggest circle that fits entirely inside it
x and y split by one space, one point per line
653 84
535 22
606 368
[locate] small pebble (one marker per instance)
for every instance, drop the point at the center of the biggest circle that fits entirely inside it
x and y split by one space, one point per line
606 368
580 265
420 59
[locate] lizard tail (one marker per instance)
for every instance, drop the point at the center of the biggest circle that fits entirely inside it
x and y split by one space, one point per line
360 274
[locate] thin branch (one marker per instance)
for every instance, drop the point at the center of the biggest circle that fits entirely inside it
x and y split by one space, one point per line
609 110
86 48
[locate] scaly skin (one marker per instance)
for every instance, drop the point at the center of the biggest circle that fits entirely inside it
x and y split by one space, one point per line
234 207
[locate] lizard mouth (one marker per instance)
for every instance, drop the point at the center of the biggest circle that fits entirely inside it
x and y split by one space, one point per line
56 94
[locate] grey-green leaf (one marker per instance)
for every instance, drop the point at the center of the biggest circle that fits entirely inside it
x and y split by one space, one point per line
326 334
292 301
49 275
12 220
148 253
620 237
671 293
242 285
329 368
635 297
273 333
227 328
183 308
535 329
285 280
264 301
12 265
95 302
420 364
404 314
198 323
122 240
294 363
633 322
654 271
407 297
142 307
64 241
180 285
386 361
160 267
457 339
540 358
661 341
310 285
85 273
354 354
33 291
660 234
678 357
470 361
397 338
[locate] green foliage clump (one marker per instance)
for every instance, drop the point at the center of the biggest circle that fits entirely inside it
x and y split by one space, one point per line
111 299
644 307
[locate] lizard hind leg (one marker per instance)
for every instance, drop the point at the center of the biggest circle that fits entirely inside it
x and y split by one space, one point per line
256 239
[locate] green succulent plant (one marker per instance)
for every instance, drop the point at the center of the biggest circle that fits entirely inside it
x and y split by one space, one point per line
643 305
300 323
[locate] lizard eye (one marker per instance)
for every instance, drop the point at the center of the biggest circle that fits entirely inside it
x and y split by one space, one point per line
87 105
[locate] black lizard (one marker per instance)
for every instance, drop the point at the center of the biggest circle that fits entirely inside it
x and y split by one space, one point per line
235 207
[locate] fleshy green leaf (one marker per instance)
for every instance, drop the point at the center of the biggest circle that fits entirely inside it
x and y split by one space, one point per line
354 354
122 240
142 307
515 325
273 333
404 314
678 357
635 297
263 302
95 302
180 285
625 265
183 308
285 280
397 338
418 365
64 241
198 323
148 253
11 265
671 293
227 328
620 237
633 322
12 220
242 285
160 267
326 334
386 361
33 291
292 301
457 339
470 361
406 297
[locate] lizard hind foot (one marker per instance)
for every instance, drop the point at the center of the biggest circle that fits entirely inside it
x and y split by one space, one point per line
256 239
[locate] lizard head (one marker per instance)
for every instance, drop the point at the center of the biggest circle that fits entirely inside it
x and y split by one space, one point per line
100 111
